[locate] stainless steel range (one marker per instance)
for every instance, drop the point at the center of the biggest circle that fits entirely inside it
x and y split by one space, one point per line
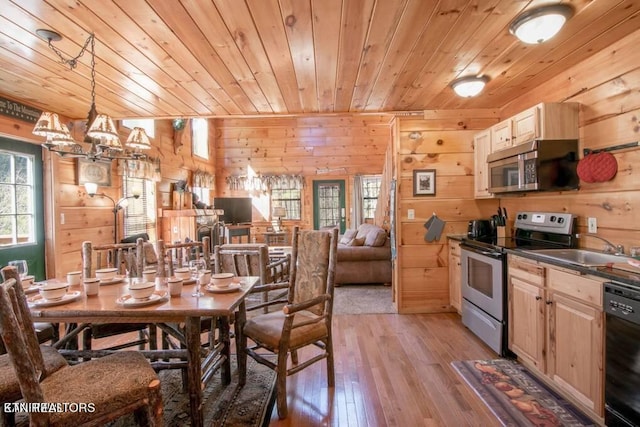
484 271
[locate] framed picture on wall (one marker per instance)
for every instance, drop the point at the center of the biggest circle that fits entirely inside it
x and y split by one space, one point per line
97 171
424 182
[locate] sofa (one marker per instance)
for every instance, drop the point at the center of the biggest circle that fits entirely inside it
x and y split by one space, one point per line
364 256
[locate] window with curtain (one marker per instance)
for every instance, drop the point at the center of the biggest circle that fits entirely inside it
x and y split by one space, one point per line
17 199
370 192
288 197
140 213
200 137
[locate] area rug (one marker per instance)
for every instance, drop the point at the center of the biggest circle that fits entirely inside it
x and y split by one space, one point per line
515 397
363 299
224 406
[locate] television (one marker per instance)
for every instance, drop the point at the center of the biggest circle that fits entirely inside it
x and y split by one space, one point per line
237 210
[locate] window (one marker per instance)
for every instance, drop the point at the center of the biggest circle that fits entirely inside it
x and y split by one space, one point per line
17 200
149 125
289 198
200 137
140 213
203 194
370 191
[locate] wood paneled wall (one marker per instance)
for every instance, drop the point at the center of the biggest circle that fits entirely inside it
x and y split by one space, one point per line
317 147
73 217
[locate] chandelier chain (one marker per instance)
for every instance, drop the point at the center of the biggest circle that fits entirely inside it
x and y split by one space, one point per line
73 62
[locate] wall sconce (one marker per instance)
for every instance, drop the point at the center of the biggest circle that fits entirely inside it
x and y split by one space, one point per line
469 86
540 24
91 188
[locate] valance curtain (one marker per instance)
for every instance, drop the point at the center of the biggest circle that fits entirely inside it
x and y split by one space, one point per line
264 183
148 169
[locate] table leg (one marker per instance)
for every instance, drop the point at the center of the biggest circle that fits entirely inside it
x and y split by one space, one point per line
194 370
241 343
225 337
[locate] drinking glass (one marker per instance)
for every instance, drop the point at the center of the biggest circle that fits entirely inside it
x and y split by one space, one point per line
21 266
196 267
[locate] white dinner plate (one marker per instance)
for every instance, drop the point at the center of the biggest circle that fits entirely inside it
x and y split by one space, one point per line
39 301
217 290
112 281
155 298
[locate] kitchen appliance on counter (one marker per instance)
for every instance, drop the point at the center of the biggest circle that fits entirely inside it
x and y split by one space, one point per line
622 356
484 271
539 165
481 229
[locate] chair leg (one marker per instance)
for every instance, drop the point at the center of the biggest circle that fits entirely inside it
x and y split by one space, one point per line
294 357
151 415
281 385
331 376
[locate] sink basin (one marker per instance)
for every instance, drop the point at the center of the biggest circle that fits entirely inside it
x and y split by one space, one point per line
583 257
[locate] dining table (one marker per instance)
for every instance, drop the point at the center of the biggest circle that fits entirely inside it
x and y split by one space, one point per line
114 304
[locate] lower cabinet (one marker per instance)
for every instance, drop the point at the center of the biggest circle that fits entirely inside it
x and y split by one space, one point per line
556 328
455 290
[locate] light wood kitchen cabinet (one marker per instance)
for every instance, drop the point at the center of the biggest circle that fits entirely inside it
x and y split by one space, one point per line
481 148
556 328
501 135
455 290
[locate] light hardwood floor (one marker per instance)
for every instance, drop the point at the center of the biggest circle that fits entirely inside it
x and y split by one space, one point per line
391 370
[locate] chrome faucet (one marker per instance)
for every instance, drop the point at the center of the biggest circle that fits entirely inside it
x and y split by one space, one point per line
616 249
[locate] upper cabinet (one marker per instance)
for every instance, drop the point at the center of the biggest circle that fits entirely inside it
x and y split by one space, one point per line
501 135
481 148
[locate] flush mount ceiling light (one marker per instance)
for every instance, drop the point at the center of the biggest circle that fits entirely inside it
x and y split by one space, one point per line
101 134
469 86
540 24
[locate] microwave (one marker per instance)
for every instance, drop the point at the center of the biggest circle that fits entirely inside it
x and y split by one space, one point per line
538 165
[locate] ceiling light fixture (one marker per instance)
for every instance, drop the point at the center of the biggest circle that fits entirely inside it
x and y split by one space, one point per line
540 24
469 86
101 133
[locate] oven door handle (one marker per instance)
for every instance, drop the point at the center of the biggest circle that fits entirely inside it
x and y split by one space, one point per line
492 254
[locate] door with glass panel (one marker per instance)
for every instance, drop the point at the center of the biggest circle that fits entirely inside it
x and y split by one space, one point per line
21 205
329 204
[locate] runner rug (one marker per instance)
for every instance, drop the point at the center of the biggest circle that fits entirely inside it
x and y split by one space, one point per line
515 397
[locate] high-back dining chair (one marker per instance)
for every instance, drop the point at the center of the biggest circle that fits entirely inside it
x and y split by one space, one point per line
305 320
251 259
9 384
126 257
176 255
115 385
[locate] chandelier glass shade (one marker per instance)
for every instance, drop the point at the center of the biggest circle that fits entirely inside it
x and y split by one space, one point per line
101 134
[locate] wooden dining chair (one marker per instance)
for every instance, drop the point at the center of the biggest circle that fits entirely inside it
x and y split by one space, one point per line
251 259
114 385
305 320
9 384
127 258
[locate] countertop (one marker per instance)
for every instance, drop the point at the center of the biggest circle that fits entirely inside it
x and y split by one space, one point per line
458 237
626 274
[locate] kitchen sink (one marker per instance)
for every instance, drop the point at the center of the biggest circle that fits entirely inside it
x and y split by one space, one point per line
582 257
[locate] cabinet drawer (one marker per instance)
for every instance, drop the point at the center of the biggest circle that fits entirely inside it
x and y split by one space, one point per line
527 270
576 286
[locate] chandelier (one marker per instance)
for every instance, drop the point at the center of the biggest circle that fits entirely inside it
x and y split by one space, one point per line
101 135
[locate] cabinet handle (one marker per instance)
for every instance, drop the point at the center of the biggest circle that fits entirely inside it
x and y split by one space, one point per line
549 302
538 298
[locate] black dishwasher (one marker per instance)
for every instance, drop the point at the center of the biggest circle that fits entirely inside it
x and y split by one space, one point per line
622 357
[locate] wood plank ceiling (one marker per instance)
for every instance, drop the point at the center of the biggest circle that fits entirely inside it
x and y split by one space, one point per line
166 58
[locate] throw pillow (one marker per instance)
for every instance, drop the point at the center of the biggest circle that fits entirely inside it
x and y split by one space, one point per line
376 238
348 236
357 242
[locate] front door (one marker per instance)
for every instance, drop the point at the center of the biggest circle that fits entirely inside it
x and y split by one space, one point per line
21 205
329 204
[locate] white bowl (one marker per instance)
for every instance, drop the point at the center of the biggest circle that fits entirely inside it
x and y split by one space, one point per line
142 290
53 291
183 273
205 277
106 273
222 280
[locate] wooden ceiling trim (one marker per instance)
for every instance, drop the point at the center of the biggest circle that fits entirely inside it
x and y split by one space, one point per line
354 27
268 22
325 14
385 25
214 29
299 31
437 23
187 38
